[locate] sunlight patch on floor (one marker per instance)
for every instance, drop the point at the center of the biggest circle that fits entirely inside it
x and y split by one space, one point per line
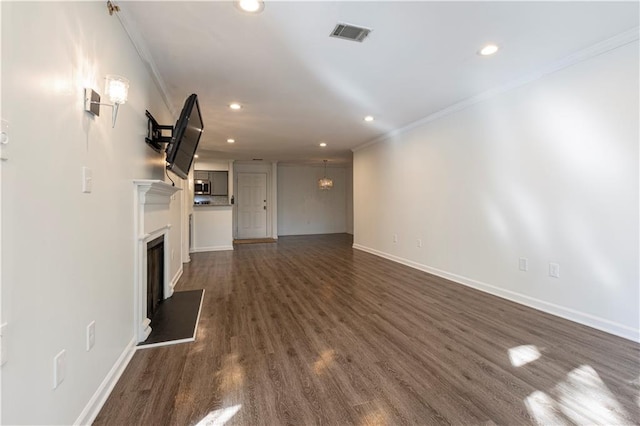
231 374
324 361
219 417
543 409
521 355
585 398
377 417
582 398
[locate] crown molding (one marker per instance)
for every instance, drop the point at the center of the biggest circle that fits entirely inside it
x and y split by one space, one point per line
143 51
592 51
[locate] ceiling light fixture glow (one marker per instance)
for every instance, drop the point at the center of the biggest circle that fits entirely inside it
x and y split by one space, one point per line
325 183
368 118
235 106
323 144
489 49
231 140
251 6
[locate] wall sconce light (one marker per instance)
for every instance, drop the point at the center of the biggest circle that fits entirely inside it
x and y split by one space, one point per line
116 90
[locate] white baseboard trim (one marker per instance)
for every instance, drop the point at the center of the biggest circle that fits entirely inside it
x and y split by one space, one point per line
583 318
176 277
214 248
98 399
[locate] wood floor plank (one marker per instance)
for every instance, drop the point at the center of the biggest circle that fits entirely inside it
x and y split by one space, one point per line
308 331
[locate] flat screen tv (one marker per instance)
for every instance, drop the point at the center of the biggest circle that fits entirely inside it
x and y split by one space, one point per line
186 135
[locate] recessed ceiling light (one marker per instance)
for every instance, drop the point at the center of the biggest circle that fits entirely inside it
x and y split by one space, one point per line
196 156
235 106
368 118
323 144
489 49
251 6
231 140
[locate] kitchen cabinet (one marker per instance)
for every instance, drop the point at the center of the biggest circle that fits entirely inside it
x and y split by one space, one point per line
201 175
217 186
219 183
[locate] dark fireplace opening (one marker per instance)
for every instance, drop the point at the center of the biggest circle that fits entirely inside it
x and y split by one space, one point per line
155 275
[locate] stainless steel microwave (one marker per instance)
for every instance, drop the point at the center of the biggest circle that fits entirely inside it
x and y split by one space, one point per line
202 187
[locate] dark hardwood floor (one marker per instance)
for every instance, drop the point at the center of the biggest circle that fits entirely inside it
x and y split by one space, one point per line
310 331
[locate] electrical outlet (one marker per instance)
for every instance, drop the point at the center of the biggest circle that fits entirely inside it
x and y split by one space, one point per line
91 335
523 264
59 368
395 238
554 270
419 243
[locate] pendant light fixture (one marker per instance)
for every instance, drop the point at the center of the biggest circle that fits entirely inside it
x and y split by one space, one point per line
325 183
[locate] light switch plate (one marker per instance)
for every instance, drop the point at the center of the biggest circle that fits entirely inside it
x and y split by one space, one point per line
87 180
523 264
554 270
3 344
91 335
59 368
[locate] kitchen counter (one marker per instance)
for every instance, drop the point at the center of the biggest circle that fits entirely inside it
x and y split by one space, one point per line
212 205
212 227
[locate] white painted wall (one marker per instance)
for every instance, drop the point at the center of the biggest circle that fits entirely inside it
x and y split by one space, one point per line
1 316
547 171
211 165
68 257
303 208
176 214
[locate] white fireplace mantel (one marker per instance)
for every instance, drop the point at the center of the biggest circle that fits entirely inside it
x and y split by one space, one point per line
152 220
154 191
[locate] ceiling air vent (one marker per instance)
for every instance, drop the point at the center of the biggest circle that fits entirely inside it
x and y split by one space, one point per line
350 32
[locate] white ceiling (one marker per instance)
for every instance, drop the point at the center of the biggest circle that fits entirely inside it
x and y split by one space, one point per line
299 86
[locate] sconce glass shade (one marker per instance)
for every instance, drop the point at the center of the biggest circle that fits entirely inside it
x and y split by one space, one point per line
116 89
251 6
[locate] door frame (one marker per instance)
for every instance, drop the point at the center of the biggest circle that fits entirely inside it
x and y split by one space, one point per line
271 170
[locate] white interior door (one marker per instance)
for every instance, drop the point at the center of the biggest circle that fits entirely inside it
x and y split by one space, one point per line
252 205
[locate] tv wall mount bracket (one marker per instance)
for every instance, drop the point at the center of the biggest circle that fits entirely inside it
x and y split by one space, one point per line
155 133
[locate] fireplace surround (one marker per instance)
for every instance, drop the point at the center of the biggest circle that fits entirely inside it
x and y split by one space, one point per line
152 221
